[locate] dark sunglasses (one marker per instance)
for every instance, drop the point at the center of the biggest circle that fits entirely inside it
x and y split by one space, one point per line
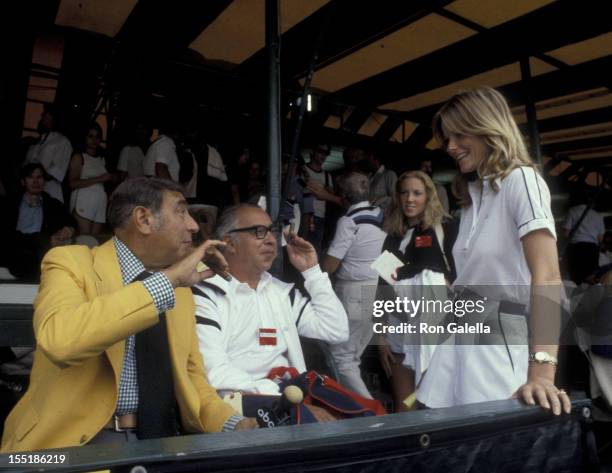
260 231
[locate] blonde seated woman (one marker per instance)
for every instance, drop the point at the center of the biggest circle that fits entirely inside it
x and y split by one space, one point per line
421 235
87 176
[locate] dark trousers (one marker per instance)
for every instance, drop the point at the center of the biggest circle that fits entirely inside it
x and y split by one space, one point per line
582 260
316 237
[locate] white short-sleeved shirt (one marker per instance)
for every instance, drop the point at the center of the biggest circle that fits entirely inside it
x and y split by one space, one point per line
323 178
591 227
131 161
357 245
53 151
488 252
162 150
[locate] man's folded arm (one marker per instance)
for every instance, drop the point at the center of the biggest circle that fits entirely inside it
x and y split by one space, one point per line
322 316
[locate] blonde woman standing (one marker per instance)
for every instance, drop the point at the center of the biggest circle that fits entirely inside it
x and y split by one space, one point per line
506 240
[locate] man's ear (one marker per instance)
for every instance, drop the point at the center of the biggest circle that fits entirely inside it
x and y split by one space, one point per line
143 220
230 246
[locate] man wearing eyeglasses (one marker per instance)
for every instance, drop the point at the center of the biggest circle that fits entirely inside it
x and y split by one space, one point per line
252 324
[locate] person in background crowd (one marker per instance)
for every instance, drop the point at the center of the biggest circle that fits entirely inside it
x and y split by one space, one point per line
422 237
87 177
605 252
320 183
161 159
355 160
357 243
53 150
239 176
116 346
586 234
36 222
209 182
506 240
382 180
428 168
132 155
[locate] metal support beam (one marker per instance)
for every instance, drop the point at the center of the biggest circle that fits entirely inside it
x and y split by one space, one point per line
273 198
532 120
274 122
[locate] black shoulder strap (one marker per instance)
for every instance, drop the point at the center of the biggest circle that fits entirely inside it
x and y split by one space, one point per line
376 220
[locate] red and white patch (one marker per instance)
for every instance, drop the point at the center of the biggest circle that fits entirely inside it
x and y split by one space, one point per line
423 241
267 336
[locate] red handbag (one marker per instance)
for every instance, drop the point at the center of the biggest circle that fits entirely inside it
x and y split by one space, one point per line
323 391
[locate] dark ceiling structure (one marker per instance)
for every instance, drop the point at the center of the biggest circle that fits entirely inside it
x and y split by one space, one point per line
384 67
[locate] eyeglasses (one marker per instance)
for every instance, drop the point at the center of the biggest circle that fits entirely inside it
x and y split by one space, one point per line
260 231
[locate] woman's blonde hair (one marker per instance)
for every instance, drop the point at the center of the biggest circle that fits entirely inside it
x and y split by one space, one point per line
396 223
485 113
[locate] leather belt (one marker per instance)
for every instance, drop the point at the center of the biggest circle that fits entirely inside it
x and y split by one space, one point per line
124 422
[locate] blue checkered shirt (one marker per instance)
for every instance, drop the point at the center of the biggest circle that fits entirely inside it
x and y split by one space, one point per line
163 297
162 293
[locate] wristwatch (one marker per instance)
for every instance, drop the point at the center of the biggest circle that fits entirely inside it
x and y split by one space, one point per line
542 357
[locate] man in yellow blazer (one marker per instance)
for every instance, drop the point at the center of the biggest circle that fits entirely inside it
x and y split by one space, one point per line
86 382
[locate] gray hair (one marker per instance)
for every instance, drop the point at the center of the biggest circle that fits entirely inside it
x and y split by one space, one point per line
356 188
145 192
228 219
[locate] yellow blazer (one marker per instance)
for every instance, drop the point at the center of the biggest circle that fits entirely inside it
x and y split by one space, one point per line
82 315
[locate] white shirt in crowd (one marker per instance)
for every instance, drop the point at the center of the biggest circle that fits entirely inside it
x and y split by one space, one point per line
230 318
357 245
324 178
488 252
216 167
591 228
131 161
53 151
382 184
162 150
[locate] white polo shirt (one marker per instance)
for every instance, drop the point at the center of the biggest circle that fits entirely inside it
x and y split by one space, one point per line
591 227
131 161
488 251
357 245
325 179
53 151
162 150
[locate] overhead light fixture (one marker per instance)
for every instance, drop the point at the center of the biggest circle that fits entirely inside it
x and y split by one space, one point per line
310 102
